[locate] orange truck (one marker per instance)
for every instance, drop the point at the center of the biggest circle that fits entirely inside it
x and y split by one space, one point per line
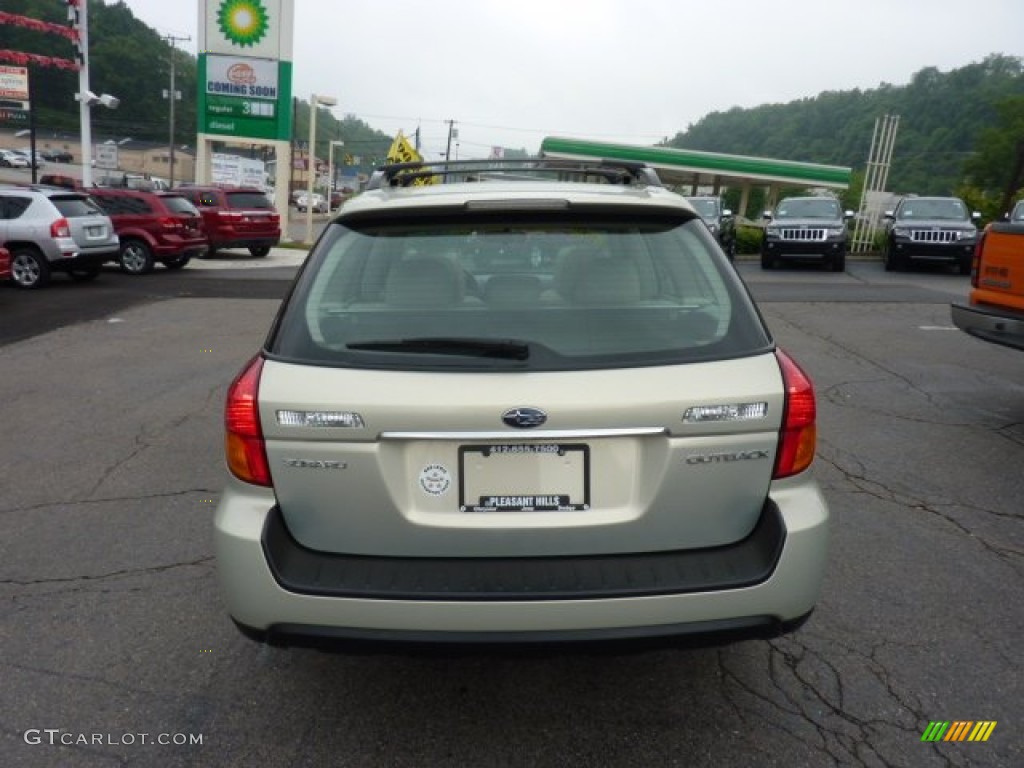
994 311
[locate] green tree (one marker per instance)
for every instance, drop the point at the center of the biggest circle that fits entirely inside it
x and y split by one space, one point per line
998 165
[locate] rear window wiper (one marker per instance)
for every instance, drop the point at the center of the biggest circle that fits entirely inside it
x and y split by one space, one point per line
508 349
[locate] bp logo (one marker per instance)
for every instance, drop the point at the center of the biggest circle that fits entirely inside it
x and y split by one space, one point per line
242 22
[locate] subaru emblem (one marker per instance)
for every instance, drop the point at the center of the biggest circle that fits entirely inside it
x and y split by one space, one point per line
524 418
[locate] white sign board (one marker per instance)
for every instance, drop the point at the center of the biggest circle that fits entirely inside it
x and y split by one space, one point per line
106 156
238 171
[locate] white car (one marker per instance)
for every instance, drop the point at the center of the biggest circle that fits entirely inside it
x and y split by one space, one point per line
318 205
12 159
521 404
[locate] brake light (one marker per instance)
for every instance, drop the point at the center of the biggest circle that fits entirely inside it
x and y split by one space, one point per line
60 228
798 436
976 261
233 215
244 446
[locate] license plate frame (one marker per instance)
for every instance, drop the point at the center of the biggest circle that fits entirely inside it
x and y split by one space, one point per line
566 465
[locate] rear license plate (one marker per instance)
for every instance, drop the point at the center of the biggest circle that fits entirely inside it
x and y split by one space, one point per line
94 231
524 477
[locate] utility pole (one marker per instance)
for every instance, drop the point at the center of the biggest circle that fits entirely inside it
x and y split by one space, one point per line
451 132
173 95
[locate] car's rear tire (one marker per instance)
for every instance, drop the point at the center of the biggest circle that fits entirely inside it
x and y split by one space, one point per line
136 257
259 251
84 274
29 268
177 262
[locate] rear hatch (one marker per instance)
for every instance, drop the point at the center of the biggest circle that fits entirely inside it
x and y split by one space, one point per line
251 214
189 223
90 228
530 378
999 276
434 471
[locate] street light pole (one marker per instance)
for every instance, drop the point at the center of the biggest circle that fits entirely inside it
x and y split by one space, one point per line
84 107
314 103
79 15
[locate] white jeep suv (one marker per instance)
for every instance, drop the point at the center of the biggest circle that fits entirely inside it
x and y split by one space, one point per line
519 404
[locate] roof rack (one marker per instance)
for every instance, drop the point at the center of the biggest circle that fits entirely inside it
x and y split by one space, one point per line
450 171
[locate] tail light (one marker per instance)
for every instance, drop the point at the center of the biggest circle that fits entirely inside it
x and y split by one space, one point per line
798 436
60 228
976 261
244 446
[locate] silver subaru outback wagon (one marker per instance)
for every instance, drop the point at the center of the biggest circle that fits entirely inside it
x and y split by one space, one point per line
525 406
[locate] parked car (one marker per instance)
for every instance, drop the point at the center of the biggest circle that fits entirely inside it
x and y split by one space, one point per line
122 180
153 227
933 230
60 180
719 220
11 159
57 156
317 203
5 264
49 229
40 161
803 228
994 310
1017 214
239 217
523 410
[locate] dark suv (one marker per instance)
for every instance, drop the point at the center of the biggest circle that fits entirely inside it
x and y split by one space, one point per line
930 229
153 226
239 217
806 228
719 220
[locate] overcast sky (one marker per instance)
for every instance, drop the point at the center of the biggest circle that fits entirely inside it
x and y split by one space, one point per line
511 72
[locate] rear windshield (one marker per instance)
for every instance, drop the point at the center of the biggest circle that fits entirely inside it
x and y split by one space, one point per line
179 204
248 200
542 292
71 206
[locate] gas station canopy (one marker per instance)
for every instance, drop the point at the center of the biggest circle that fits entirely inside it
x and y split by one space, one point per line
685 167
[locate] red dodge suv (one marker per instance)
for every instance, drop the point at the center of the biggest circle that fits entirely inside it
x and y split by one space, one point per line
241 217
152 227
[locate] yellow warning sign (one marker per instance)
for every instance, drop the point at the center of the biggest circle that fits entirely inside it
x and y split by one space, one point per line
402 151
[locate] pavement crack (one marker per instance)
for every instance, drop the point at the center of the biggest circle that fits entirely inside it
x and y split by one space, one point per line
111 575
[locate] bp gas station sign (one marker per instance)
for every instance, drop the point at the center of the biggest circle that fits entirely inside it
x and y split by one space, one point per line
245 69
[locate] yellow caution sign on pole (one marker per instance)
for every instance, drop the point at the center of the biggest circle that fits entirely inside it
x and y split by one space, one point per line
402 151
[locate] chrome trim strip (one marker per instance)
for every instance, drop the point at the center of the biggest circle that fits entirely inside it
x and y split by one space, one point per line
528 435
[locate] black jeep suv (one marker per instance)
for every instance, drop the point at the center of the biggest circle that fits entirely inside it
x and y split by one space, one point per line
806 228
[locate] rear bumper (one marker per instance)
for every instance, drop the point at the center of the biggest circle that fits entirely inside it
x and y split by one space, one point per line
279 593
85 259
245 241
993 324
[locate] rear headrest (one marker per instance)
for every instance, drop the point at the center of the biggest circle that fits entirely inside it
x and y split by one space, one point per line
601 280
424 281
